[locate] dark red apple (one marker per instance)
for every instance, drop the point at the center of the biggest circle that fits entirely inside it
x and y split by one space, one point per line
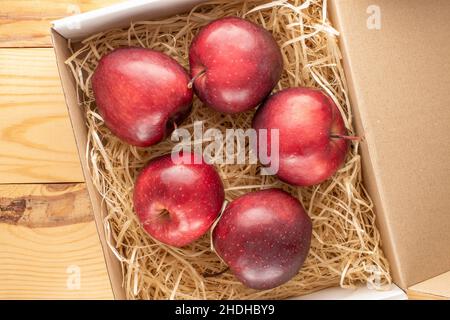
313 140
264 237
235 64
141 94
178 201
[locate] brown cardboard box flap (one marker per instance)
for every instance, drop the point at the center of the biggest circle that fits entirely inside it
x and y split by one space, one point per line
397 58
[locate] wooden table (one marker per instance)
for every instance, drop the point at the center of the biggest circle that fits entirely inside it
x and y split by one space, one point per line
49 247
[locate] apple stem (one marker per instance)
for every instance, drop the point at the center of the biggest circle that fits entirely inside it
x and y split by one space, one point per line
198 75
210 275
164 214
340 136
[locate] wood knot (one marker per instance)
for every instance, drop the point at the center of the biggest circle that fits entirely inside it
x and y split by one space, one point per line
11 210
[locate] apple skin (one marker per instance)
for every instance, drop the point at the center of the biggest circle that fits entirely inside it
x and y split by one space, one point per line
311 147
177 202
243 64
264 237
141 94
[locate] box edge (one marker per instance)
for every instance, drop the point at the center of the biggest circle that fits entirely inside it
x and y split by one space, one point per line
110 262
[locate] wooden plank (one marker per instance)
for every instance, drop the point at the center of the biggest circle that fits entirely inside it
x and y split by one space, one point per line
26 23
43 206
36 139
435 288
51 249
417 295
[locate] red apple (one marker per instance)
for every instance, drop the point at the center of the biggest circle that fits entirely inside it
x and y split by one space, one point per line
178 201
235 64
264 237
141 94
313 140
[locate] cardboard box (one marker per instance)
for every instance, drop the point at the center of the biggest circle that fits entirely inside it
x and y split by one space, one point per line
398 68
398 72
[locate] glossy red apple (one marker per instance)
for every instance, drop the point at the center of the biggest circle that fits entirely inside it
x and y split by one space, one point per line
313 140
178 201
235 64
264 237
141 94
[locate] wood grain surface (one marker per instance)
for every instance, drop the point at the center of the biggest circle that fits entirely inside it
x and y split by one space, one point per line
37 143
49 246
26 23
44 205
417 295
